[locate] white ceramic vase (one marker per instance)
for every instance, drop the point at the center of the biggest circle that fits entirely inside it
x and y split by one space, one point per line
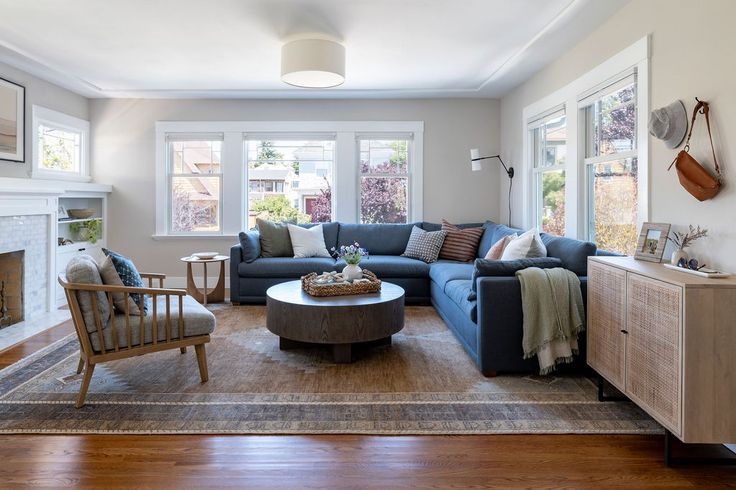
352 272
677 255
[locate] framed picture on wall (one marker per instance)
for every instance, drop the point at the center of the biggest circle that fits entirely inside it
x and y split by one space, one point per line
652 241
12 121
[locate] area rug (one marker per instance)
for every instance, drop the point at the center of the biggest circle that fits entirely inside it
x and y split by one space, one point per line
424 383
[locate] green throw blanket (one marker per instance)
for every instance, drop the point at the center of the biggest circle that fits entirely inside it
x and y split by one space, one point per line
553 315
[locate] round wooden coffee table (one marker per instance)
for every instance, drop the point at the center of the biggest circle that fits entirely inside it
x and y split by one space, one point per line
340 321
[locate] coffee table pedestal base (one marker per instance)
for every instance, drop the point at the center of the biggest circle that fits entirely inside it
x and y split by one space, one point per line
341 353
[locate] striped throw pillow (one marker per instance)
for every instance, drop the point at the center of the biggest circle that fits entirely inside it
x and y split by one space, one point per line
460 244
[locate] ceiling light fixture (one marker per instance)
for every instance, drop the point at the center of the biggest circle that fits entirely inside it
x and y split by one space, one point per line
313 63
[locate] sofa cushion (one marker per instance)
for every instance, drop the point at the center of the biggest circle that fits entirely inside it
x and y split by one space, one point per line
285 267
378 239
573 253
486 240
458 290
490 268
82 269
197 321
443 271
308 242
429 226
500 231
387 266
275 240
424 245
329 230
460 244
496 251
527 246
250 243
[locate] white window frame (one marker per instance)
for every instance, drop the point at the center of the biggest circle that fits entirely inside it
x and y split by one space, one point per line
170 180
55 119
235 173
534 125
635 57
409 138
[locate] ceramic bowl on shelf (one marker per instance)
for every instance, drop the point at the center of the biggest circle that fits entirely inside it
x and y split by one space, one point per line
204 255
82 213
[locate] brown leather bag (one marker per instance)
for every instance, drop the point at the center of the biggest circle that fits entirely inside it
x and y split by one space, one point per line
692 175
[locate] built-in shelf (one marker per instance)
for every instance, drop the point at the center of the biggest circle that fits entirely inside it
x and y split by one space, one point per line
81 220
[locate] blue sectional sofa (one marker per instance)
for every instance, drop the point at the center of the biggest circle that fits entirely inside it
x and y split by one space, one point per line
488 327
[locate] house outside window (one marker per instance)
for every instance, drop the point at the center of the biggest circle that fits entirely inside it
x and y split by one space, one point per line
548 139
384 180
61 146
611 166
294 179
195 184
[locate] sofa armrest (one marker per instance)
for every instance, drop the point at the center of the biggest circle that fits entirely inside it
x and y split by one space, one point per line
500 324
236 257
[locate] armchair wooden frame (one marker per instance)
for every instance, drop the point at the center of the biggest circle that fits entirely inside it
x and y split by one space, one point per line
174 336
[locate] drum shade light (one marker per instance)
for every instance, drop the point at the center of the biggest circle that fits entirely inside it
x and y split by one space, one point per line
313 63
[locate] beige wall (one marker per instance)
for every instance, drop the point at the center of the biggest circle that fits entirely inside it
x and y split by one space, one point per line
123 142
692 54
39 92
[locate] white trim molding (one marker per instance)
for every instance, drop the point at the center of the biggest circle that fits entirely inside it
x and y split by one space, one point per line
345 171
635 58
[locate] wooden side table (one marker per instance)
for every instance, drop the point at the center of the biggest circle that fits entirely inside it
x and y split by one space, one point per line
204 296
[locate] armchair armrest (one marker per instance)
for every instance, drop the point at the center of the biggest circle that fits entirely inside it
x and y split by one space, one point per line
154 275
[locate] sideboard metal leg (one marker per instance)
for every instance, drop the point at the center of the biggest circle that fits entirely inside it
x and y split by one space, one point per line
670 460
606 398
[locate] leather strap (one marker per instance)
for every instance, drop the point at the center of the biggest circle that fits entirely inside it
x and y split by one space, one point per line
706 110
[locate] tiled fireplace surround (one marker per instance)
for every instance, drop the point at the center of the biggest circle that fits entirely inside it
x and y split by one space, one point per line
27 222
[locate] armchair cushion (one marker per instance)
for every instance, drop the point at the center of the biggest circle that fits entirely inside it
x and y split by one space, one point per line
110 276
82 269
130 277
197 321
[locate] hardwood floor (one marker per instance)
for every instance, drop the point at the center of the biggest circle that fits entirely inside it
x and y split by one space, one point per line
339 461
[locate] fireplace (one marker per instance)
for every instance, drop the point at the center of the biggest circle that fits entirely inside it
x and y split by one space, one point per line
11 288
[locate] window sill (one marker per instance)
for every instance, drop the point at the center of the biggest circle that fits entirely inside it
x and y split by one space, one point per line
193 237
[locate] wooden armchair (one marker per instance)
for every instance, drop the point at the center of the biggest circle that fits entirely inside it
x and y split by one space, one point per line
123 335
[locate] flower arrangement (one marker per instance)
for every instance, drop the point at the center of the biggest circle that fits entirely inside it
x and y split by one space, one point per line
351 254
683 240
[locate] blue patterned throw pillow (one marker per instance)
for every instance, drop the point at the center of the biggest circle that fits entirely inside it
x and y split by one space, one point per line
130 277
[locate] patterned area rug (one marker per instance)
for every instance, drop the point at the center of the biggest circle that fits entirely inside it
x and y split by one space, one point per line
422 384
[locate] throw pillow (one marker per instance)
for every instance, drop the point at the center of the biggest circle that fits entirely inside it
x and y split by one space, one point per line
527 246
508 268
82 269
460 244
110 276
496 250
275 239
308 242
250 245
130 277
424 245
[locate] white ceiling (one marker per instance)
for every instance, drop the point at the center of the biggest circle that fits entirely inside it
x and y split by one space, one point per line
231 48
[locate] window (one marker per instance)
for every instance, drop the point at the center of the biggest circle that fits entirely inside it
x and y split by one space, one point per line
611 166
384 180
548 139
195 184
61 145
215 178
294 179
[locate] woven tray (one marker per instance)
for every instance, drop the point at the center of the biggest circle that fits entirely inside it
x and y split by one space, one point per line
341 289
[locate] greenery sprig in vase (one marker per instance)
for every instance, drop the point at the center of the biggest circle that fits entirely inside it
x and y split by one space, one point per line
682 240
90 230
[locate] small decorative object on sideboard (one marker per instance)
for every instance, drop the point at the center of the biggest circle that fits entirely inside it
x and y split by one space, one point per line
352 255
82 213
683 240
652 241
